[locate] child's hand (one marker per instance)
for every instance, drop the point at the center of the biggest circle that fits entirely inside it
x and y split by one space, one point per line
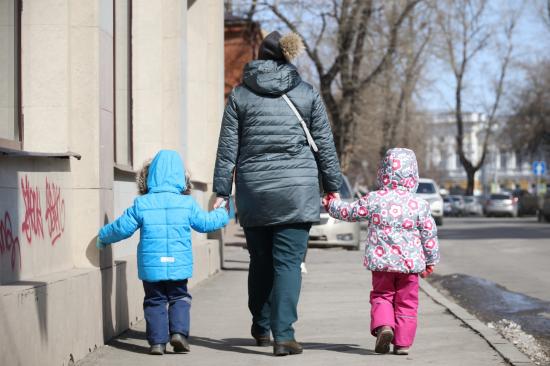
429 270
99 244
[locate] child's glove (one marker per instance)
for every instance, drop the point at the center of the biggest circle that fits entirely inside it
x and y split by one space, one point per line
429 270
99 244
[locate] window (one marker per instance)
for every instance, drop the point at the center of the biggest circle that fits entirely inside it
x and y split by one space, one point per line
123 81
503 160
10 122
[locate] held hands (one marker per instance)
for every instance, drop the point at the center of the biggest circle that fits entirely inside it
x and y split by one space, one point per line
429 270
329 197
221 202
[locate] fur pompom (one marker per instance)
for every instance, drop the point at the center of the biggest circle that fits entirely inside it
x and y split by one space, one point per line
292 46
141 178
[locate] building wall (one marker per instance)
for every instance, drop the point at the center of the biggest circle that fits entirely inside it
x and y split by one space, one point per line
503 169
57 291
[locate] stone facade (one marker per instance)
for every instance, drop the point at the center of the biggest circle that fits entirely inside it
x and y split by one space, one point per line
57 291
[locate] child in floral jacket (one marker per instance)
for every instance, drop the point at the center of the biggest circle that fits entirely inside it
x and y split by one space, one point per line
401 243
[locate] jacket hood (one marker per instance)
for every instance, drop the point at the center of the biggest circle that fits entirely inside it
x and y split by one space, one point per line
269 77
398 170
166 173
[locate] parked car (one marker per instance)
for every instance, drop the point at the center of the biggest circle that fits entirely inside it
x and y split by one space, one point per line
472 206
544 211
428 190
329 232
527 203
448 208
500 204
458 204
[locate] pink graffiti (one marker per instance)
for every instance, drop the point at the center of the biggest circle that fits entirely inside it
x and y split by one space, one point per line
55 211
32 224
9 242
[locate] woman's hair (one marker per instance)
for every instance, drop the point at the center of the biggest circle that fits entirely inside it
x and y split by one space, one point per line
141 179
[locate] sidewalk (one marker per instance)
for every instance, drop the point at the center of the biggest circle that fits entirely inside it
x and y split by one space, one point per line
333 324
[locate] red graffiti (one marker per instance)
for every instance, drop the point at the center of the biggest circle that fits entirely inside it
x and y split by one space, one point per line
9 242
55 211
32 225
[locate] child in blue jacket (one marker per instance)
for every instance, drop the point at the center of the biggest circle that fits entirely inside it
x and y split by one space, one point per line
165 217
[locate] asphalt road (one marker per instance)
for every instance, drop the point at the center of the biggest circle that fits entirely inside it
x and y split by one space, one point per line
498 268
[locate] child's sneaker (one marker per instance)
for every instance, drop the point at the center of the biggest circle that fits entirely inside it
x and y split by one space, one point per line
157 349
384 336
401 351
180 343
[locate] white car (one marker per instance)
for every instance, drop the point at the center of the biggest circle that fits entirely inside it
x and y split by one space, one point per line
429 190
329 232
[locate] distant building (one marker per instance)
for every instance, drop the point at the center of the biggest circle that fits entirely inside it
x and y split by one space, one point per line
242 41
503 169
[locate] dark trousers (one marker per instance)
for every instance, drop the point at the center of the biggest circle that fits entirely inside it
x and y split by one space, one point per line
166 307
274 277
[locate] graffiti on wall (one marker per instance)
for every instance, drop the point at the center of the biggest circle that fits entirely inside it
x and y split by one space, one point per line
55 211
9 242
32 224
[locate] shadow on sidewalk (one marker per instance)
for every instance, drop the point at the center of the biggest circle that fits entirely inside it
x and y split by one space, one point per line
130 346
229 345
236 344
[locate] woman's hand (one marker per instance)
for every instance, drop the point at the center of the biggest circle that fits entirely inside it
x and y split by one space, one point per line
329 197
218 202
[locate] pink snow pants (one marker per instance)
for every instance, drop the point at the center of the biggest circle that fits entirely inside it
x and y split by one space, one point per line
394 302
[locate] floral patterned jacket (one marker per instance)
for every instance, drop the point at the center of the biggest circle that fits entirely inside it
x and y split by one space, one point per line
402 234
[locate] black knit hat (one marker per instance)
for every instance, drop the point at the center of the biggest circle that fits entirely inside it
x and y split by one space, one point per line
270 48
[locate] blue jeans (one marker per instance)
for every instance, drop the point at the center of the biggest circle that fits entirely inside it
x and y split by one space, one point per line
166 307
274 277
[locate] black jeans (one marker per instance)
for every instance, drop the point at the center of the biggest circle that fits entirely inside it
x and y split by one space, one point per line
274 277
166 307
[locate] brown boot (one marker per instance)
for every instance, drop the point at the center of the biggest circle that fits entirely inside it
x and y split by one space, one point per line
401 351
287 348
262 340
384 336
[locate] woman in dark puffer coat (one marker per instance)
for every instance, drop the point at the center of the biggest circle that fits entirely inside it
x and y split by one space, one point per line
277 181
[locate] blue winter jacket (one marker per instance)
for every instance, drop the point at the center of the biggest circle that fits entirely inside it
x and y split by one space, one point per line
165 217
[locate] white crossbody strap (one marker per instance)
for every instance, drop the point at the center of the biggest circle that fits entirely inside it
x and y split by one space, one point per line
310 140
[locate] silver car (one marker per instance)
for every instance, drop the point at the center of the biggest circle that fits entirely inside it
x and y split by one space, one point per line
472 206
329 232
429 190
502 204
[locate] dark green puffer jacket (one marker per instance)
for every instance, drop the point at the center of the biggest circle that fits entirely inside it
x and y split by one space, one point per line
261 139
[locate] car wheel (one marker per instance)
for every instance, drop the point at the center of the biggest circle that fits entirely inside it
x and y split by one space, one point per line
354 248
439 221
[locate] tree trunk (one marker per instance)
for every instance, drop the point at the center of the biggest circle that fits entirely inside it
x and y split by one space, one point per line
470 173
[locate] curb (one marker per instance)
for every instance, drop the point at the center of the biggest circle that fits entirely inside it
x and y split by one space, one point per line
502 346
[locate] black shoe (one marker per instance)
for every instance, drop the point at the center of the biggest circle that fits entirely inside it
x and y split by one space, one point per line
157 349
287 348
180 343
262 340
